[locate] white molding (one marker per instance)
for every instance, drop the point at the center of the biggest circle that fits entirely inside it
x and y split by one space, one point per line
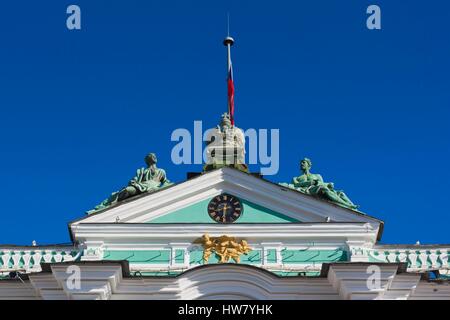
302 234
106 282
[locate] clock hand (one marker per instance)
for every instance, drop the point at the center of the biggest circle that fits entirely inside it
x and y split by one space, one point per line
224 209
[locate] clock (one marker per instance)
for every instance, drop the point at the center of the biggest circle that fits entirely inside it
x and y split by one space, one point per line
225 208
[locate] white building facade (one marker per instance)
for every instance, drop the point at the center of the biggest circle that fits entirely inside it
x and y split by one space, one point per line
296 247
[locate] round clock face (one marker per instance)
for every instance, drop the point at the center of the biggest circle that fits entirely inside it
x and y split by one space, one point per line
225 208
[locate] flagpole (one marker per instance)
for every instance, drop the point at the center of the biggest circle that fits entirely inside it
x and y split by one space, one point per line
228 42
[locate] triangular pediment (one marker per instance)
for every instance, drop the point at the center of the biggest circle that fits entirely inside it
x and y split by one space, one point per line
265 202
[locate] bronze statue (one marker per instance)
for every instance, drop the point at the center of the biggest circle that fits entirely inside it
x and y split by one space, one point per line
313 184
146 180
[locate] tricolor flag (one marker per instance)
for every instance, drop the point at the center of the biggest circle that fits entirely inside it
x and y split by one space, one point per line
230 91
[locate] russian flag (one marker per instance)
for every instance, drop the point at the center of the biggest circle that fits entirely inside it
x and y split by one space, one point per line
230 92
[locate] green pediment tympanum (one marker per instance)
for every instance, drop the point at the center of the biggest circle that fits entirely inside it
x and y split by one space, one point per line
198 213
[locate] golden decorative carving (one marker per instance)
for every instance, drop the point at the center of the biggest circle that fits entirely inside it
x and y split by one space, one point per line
225 247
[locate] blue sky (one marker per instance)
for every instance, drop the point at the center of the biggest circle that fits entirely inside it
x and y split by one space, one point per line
80 109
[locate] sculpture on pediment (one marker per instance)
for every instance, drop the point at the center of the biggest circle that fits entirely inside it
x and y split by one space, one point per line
225 146
225 247
313 184
146 179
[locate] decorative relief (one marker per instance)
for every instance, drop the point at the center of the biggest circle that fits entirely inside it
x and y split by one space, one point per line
226 247
93 254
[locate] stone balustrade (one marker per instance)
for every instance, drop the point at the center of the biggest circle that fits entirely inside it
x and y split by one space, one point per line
418 259
29 259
